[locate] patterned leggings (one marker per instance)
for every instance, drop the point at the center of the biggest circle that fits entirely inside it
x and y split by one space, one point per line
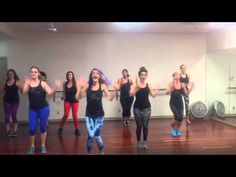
94 128
186 102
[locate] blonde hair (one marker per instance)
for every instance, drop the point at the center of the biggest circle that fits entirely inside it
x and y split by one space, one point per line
175 73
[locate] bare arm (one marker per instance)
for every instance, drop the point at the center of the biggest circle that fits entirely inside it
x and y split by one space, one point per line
83 86
184 88
63 91
50 90
26 86
135 87
20 85
169 88
117 84
78 92
190 85
153 91
110 96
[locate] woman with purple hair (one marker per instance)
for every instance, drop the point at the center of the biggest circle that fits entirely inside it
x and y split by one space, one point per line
95 87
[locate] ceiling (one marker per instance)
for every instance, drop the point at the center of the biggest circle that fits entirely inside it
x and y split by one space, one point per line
111 27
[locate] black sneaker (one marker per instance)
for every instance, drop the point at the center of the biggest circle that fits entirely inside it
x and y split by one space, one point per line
14 134
8 134
127 122
77 132
60 130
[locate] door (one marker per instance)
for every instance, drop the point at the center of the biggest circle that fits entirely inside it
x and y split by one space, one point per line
3 71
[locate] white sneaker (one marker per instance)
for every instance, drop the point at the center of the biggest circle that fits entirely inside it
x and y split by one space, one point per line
145 146
140 145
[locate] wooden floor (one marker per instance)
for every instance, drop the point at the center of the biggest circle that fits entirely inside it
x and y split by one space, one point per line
203 137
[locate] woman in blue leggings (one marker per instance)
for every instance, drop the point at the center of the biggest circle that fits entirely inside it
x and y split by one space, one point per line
38 106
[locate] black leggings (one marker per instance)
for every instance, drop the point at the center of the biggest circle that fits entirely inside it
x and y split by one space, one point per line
126 104
176 107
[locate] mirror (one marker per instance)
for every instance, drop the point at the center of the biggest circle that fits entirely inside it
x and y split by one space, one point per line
221 82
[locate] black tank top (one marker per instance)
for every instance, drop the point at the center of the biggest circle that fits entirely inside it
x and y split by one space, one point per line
124 90
176 95
11 93
70 94
184 80
142 98
37 98
94 107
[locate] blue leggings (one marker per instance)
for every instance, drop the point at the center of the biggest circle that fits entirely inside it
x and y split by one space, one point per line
94 128
34 115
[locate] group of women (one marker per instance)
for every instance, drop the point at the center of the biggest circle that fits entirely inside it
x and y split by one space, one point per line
93 88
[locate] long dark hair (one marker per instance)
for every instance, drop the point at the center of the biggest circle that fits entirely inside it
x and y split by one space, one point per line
73 78
103 78
15 75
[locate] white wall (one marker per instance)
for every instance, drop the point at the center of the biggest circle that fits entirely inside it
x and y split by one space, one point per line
222 39
161 54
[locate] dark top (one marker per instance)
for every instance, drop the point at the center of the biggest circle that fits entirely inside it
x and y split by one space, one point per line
124 90
176 96
94 107
142 98
11 93
37 98
184 80
70 94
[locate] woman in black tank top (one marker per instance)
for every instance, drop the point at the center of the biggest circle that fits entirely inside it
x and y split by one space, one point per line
71 89
124 85
94 115
11 101
142 107
38 106
176 89
185 78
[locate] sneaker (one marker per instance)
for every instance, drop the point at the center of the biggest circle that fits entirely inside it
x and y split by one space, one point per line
188 123
127 122
77 132
124 123
178 133
101 152
140 145
8 134
31 150
174 133
145 146
14 134
60 130
43 149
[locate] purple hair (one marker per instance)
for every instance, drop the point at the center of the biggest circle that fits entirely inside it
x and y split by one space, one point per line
103 78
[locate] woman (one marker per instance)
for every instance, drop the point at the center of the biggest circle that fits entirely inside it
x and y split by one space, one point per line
95 87
176 89
185 78
126 100
71 88
11 101
142 107
38 106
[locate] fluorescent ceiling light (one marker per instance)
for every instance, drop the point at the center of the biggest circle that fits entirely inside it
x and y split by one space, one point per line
130 25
